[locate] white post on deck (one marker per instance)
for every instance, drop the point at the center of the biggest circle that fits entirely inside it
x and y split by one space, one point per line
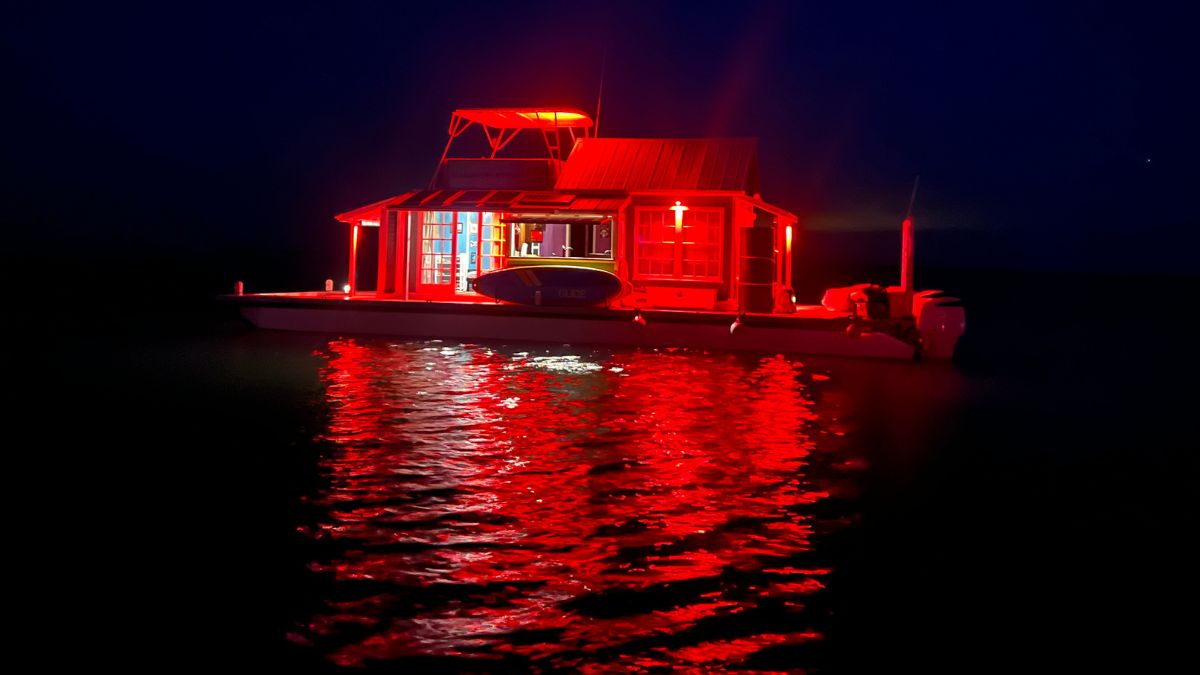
906 244
906 257
787 251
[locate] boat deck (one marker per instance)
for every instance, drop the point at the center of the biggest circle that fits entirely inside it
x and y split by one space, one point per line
811 329
481 305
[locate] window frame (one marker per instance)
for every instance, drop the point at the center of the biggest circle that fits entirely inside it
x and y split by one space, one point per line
584 242
435 255
678 246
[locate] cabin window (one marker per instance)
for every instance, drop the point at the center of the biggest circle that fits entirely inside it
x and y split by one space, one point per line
591 240
491 243
437 248
693 254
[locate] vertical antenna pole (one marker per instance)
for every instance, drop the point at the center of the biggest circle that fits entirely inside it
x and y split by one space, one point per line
906 244
600 94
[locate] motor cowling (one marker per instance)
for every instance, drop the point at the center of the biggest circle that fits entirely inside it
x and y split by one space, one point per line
941 321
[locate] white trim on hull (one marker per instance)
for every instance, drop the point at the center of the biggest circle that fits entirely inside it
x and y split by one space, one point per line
578 330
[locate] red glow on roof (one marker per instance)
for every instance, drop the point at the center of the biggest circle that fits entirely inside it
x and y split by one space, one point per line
527 118
633 164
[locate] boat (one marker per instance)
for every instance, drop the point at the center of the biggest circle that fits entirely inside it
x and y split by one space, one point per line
583 239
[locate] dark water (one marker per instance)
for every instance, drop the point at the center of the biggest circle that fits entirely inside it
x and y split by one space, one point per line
573 508
225 497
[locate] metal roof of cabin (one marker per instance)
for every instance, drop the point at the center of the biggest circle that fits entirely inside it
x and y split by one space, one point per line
645 164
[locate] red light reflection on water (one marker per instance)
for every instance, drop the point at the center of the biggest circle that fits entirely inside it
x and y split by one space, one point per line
585 510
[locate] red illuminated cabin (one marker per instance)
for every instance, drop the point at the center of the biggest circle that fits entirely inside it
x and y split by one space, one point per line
701 259
603 203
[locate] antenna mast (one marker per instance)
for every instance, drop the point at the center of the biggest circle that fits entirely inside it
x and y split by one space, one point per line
600 94
913 198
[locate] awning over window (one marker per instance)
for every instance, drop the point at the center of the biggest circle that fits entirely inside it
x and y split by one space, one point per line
560 217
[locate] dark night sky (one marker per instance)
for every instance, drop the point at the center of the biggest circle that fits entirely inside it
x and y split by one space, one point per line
181 127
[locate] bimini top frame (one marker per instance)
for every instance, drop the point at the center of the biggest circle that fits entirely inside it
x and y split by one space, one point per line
501 125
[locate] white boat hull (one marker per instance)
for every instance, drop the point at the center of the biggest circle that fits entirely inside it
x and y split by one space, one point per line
593 326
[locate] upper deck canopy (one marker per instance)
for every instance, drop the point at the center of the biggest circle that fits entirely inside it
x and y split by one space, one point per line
501 126
527 118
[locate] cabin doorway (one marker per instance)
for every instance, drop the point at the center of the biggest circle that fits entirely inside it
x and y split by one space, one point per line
435 252
454 248
466 251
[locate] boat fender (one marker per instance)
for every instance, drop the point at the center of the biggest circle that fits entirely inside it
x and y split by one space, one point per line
638 319
854 330
737 323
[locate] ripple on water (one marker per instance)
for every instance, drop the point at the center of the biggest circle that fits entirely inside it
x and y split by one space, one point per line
577 509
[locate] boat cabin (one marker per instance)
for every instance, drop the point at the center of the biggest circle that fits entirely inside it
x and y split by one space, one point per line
679 221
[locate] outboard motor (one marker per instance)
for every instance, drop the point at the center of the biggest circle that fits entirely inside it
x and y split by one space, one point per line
941 321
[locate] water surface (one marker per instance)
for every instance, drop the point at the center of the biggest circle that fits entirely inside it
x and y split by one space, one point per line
572 508
219 496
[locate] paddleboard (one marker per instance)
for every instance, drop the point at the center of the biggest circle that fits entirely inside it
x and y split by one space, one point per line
549 285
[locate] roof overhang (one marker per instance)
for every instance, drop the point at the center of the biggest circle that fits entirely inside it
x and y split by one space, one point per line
550 204
521 201
787 216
